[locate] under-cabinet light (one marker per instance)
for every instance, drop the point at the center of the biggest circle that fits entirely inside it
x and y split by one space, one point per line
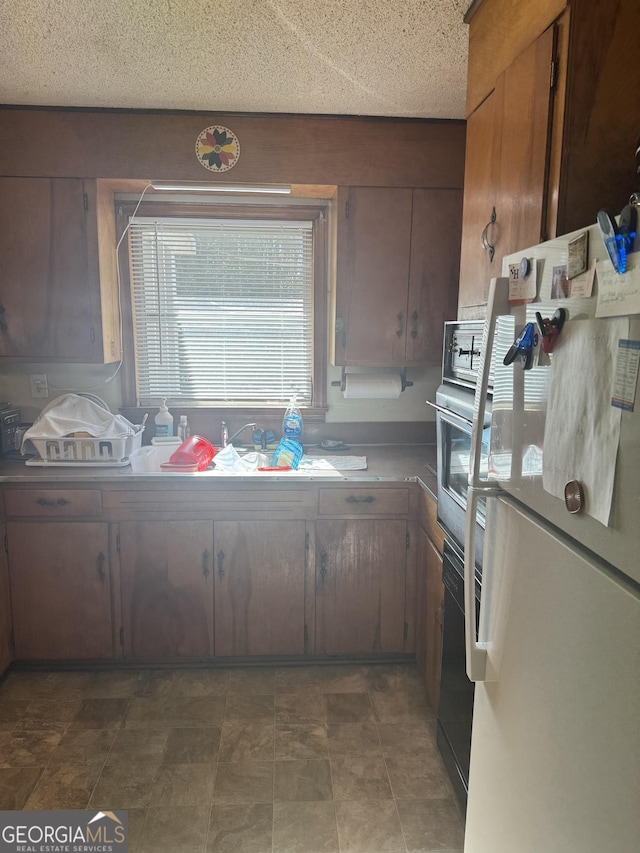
220 188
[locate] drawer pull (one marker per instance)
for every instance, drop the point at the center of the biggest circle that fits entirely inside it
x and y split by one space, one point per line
353 499
400 329
220 564
205 564
414 325
323 563
100 561
52 501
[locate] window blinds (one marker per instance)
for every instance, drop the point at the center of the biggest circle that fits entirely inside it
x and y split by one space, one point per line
223 309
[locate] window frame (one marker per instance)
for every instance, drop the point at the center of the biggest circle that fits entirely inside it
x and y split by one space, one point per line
317 213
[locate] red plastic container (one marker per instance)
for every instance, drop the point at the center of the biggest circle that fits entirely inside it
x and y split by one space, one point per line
194 451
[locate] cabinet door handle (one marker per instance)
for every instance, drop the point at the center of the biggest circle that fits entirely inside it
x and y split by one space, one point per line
353 499
323 563
489 247
400 329
52 502
3 323
205 563
220 564
100 562
414 325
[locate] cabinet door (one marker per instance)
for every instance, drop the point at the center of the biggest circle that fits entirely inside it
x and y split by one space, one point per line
373 246
523 99
60 590
433 275
51 255
6 618
421 604
167 588
476 266
360 585
259 597
434 593
505 171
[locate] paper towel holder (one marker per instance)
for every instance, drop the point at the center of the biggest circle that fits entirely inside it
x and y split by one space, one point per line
342 382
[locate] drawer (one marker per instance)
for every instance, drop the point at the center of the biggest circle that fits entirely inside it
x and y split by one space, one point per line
364 501
429 520
224 503
53 503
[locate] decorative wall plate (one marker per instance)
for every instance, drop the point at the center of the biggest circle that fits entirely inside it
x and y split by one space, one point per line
217 148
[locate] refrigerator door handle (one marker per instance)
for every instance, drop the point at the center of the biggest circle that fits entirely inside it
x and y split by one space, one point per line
476 652
498 304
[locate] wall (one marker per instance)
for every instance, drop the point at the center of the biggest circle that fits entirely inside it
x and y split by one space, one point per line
310 150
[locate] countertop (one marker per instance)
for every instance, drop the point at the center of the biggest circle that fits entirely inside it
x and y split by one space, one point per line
385 463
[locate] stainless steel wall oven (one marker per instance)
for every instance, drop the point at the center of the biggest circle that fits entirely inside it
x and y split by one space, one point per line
454 412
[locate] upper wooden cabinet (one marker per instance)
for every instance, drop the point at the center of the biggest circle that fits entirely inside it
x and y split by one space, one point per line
397 268
507 154
59 299
553 101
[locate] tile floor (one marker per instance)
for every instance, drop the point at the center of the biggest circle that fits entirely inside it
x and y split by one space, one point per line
324 759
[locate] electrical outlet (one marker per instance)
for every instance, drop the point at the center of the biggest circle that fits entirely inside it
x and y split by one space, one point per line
39 387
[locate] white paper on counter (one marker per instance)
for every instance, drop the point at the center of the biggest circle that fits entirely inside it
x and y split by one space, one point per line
338 463
582 428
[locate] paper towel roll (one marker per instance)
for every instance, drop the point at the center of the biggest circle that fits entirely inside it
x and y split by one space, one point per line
372 386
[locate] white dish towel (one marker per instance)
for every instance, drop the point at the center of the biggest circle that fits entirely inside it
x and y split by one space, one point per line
73 413
338 463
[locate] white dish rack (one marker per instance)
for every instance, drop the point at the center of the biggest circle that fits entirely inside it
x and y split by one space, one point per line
85 451
94 451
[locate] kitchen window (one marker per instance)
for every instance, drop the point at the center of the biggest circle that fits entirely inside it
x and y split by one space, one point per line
227 304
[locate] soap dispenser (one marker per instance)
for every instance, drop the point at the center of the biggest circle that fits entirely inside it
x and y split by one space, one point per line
292 421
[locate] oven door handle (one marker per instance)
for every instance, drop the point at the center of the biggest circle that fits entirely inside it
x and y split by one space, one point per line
451 416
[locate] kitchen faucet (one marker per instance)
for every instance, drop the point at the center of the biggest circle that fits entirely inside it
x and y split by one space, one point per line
225 438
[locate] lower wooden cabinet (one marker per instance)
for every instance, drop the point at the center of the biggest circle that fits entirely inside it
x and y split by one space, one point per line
435 611
60 590
429 601
87 583
166 570
421 604
360 585
6 618
259 587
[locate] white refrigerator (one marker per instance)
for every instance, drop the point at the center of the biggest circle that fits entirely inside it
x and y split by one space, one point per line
555 748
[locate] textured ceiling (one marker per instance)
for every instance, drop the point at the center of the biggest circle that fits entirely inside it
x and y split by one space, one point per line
357 57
